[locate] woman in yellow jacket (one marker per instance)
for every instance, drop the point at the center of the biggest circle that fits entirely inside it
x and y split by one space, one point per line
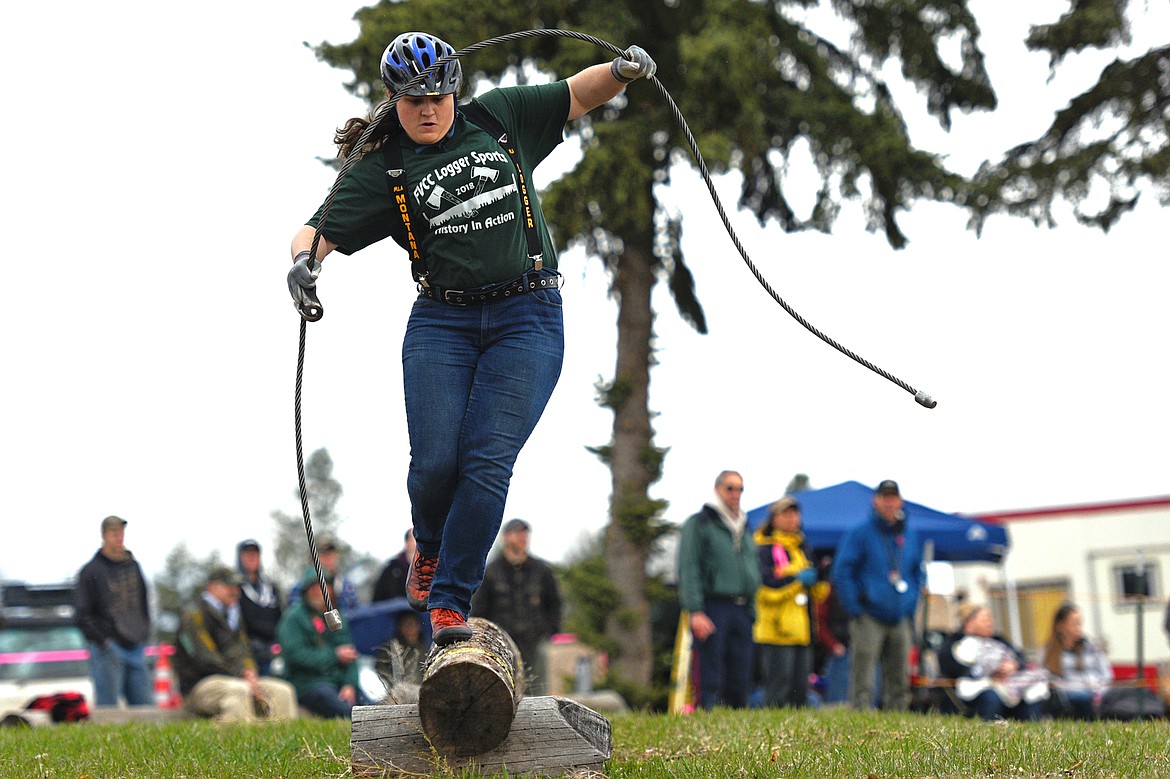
783 628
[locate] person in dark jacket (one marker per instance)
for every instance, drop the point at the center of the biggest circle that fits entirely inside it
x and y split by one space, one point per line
259 604
878 576
213 659
320 663
519 593
112 610
391 581
831 651
718 575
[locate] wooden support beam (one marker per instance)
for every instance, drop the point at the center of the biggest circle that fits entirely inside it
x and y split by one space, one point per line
549 736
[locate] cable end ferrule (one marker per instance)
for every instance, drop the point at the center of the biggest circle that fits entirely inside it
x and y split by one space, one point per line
925 400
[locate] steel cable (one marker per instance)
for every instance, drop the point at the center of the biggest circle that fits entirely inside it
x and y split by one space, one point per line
313 311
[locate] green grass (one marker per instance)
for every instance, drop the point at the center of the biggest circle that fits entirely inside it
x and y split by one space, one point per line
717 745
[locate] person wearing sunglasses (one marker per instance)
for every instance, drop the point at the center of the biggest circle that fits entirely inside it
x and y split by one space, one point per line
717 581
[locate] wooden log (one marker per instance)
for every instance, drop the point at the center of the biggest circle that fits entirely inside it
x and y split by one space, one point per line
471 690
550 736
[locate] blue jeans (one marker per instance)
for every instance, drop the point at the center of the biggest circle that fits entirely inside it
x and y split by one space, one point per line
476 381
1077 704
725 658
836 672
322 700
989 706
118 672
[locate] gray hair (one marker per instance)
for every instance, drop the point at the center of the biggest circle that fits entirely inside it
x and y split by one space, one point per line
722 477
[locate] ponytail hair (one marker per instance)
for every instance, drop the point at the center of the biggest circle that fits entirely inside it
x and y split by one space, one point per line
349 133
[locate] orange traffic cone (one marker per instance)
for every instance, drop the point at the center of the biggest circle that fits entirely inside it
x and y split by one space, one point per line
165 694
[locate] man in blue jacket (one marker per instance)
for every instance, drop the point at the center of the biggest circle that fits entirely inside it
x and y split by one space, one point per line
878 574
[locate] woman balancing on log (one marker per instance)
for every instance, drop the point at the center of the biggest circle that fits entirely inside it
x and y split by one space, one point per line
484 341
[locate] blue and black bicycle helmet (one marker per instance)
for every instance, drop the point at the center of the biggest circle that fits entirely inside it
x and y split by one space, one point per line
413 52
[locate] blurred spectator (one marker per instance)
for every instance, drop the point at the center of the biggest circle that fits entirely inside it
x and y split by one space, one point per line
878 575
1080 672
391 581
990 675
718 575
411 646
259 604
783 626
344 592
831 650
112 610
400 661
217 673
320 663
519 593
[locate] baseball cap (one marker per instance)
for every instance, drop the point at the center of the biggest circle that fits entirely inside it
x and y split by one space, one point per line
327 543
888 487
248 543
223 575
111 522
512 525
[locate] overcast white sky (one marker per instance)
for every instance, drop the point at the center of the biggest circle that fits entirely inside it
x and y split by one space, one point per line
155 166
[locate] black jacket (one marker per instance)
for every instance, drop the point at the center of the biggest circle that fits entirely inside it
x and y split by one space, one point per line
260 609
392 581
522 599
110 603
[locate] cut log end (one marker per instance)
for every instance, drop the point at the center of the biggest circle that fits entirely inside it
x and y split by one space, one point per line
467 710
470 692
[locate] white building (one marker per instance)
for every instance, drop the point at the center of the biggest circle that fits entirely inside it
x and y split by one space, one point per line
1102 557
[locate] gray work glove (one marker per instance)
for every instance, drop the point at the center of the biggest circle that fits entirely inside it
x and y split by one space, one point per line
302 281
634 64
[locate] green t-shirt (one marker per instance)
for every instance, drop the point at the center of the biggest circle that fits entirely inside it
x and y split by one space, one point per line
463 192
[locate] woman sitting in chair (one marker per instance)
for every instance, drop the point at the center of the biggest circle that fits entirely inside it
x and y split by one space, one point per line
990 674
1080 671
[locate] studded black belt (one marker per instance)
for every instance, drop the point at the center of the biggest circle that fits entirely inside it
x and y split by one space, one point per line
492 293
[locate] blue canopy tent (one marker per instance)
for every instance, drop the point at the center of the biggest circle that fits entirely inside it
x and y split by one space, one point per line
827 514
